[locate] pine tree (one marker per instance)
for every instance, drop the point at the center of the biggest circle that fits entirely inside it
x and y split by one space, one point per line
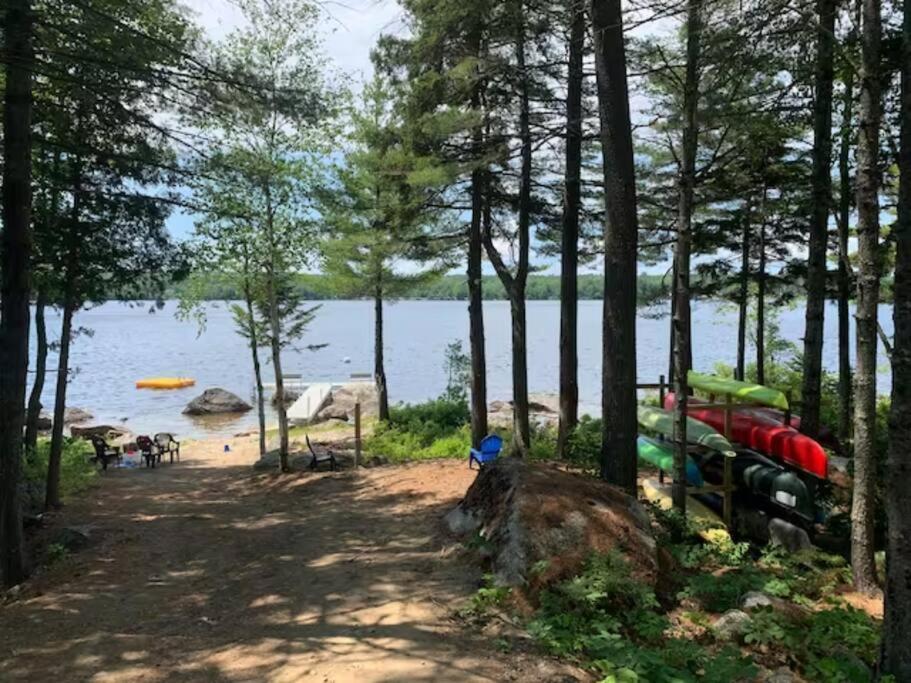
380 217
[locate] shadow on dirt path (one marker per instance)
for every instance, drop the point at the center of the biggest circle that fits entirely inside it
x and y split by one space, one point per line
203 571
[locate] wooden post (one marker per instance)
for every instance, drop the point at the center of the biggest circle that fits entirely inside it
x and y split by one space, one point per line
661 391
357 434
728 491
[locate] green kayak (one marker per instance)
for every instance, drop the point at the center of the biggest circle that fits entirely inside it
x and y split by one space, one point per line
661 422
660 454
753 393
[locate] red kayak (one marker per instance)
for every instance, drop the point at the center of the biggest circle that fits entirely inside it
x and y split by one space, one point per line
762 432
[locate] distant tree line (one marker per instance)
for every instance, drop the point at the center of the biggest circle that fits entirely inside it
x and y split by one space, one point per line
651 289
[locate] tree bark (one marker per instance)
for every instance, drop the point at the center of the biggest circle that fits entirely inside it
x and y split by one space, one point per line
514 284
52 491
15 253
896 655
819 219
476 315
740 371
687 181
379 367
868 273
70 298
760 292
254 352
34 399
621 233
569 252
844 271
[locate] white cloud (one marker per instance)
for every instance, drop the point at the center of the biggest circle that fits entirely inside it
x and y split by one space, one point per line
350 29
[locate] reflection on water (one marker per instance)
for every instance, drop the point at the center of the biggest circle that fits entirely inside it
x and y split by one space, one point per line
130 343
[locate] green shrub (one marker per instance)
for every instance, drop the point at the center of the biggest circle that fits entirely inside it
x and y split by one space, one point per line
584 444
436 429
430 420
76 471
610 621
723 591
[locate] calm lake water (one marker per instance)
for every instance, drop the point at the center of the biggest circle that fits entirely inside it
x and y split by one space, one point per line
128 342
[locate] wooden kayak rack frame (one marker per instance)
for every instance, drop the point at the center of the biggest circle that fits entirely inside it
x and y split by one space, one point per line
727 487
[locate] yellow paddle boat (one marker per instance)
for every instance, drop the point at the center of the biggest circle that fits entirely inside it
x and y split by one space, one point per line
165 383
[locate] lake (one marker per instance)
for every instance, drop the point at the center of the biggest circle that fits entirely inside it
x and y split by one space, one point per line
127 342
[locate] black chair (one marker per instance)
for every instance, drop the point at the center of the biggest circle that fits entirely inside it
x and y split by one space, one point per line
149 451
167 444
105 453
317 458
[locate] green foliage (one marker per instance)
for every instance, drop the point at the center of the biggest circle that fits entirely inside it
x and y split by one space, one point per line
607 619
56 552
584 444
436 429
722 591
457 365
489 596
76 471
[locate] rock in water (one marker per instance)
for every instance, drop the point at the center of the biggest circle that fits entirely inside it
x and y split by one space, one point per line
542 524
74 415
216 401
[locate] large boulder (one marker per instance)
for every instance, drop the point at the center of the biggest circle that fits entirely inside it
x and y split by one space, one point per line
215 402
76 415
340 405
541 524
45 421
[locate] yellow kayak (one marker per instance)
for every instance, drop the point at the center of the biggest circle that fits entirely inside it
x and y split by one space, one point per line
165 383
710 526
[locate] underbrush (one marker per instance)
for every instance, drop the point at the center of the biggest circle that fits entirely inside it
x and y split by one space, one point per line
436 429
76 471
608 622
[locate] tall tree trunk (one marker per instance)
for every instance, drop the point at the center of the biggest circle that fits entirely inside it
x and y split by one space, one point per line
740 371
819 220
868 273
760 305
476 315
569 252
52 492
514 284
844 271
687 181
275 330
70 297
34 399
254 352
671 345
15 254
379 367
896 655
479 190
621 234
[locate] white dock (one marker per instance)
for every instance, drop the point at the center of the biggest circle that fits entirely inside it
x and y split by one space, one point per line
310 402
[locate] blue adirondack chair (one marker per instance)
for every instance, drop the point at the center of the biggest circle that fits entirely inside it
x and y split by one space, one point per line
488 452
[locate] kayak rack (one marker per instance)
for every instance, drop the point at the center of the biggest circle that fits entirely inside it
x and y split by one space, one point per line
728 405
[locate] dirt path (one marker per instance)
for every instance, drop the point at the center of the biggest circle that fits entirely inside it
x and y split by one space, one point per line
203 571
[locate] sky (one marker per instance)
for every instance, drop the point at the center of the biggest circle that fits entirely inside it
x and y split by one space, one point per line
350 32
351 29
